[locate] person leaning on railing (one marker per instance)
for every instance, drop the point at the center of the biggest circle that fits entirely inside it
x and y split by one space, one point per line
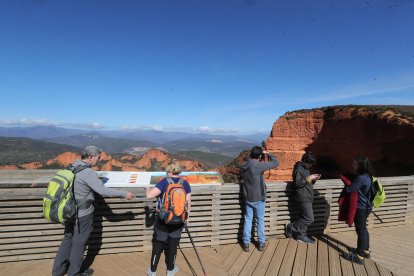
303 182
69 257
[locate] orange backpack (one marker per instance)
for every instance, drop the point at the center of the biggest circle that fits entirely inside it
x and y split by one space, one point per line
174 203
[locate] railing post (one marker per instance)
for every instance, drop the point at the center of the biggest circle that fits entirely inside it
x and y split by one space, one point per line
215 217
328 210
272 205
148 231
410 201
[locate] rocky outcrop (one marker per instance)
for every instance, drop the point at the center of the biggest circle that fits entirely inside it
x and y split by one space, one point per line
232 172
63 159
337 134
9 167
192 165
151 156
31 166
153 159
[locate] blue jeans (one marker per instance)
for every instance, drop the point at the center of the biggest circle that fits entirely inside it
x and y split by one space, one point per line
259 208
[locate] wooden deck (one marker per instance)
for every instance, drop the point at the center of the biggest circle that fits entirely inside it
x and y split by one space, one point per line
392 247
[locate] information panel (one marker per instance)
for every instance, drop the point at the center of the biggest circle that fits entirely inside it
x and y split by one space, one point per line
143 179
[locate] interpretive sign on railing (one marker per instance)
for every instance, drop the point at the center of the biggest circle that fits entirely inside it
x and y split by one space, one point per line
143 179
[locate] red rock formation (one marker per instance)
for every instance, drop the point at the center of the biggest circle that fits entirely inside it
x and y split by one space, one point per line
191 165
64 159
9 167
106 167
129 168
153 154
337 134
152 159
231 172
32 166
128 157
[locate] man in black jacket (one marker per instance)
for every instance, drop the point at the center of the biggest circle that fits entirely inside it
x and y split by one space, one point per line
254 190
303 182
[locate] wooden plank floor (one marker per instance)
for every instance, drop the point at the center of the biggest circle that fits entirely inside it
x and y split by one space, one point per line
392 251
392 247
289 257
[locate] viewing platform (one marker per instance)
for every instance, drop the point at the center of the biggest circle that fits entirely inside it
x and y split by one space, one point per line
120 243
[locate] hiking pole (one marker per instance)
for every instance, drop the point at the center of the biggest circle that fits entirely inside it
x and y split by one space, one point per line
377 216
192 242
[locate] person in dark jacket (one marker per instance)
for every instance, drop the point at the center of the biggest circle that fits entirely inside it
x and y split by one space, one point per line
303 182
362 185
254 191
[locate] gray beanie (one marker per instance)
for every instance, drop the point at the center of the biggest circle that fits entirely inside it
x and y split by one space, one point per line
91 151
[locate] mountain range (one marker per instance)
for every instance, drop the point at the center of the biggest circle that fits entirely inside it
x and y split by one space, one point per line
128 141
23 145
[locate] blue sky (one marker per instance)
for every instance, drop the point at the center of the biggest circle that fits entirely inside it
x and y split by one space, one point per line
217 66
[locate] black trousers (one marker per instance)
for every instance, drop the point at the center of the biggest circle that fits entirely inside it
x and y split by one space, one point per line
361 230
306 218
170 250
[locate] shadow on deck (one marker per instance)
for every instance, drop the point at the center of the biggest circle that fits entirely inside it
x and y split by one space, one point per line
393 248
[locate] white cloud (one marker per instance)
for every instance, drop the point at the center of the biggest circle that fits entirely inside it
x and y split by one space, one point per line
44 122
215 141
206 129
387 87
203 129
84 125
28 122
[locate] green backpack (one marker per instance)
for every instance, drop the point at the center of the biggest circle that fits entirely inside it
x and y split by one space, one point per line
377 193
59 202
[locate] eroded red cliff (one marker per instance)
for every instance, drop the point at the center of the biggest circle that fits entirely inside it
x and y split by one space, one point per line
337 134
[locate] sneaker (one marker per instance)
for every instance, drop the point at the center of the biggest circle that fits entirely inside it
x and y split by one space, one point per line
353 258
150 273
288 230
306 239
87 272
245 247
367 253
261 246
172 272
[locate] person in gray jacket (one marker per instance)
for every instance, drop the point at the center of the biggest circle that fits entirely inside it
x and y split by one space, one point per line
304 194
254 191
69 257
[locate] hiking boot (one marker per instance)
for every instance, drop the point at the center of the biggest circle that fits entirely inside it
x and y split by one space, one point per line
150 273
306 239
288 230
353 258
367 253
87 272
172 272
245 247
261 246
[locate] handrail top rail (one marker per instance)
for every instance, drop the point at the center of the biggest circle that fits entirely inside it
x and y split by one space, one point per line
40 179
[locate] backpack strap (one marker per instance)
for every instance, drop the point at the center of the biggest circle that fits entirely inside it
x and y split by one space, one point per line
171 181
371 194
78 168
82 203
